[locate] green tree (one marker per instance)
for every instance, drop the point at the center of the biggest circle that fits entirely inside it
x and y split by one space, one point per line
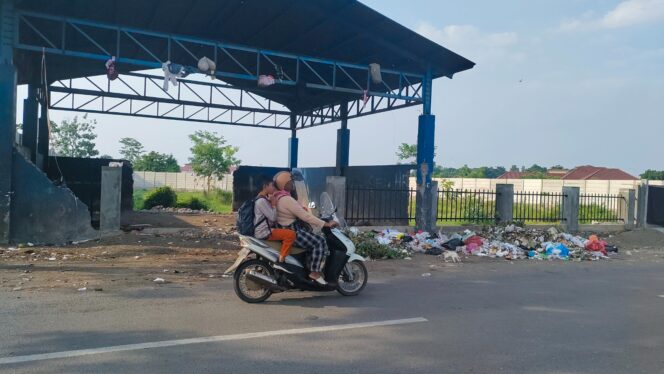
557 167
653 175
155 161
536 169
211 156
495 172
408 152
74 138
131 149
108 157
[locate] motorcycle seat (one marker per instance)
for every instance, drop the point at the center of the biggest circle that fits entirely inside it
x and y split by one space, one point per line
277 245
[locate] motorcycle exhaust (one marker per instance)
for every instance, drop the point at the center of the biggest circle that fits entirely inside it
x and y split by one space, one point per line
265 281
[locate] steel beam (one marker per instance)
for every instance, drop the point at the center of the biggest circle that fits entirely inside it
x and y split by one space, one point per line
42 32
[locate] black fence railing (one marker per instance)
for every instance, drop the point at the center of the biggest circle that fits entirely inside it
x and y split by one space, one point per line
601 208
533 207
466 206
380 206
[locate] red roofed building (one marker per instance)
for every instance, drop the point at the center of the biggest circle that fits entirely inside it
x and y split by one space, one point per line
597 173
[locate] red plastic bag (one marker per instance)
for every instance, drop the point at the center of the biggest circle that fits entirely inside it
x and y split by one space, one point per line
596 245
474 240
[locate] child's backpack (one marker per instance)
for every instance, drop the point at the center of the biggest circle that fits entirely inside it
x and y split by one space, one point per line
245 217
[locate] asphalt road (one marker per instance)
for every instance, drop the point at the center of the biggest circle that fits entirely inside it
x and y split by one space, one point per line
600 317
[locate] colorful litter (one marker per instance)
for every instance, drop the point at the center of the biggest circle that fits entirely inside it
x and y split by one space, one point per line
509 242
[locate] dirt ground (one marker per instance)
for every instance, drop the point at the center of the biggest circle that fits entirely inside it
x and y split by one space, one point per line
192 248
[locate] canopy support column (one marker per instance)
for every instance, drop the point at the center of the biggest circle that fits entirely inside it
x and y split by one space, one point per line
426 212
343 142
43 133
7 114
293 144
30 119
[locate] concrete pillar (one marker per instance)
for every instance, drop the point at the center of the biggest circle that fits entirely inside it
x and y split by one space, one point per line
426 211
425 214
642 206
30 119
504 203
336 188
628 207
571 198
7 114
42 136
292 145
111 199
343 142
292 152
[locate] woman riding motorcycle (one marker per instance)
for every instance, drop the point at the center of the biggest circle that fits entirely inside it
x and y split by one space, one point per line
291 215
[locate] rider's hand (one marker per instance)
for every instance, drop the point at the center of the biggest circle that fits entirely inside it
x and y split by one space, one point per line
331 224
282 258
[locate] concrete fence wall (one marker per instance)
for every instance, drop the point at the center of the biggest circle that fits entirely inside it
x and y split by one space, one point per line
611 187
180 181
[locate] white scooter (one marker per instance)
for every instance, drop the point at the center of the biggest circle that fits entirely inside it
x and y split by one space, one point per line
258 275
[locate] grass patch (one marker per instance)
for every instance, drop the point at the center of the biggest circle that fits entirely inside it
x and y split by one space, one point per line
217 201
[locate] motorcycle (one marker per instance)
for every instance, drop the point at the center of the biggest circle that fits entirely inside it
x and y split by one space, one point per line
258 274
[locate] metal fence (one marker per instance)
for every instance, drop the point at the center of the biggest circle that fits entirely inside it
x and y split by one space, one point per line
601 208
535 207
380 206
377 207
477 206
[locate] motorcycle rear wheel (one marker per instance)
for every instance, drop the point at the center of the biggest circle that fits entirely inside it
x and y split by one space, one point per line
250 291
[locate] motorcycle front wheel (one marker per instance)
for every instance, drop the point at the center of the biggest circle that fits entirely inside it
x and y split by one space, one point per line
248 290
353 278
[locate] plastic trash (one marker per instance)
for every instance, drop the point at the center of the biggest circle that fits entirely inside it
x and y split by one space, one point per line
474 240
159 280
596 245
557 250
468 234
452 244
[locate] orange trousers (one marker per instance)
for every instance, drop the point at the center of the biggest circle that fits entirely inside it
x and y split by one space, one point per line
287 238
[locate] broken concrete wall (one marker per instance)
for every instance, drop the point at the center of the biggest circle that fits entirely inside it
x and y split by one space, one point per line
43 213
83 177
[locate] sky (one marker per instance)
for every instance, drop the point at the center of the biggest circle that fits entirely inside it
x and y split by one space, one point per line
569 82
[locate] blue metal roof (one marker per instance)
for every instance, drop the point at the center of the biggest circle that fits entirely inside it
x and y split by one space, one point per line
340 30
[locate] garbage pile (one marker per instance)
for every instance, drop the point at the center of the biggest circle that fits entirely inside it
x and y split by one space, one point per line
161 209
509 242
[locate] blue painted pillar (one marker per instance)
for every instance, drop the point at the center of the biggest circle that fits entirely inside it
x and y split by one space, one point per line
425 136
30 120
7 113
292 144
425 214
43 135
343 142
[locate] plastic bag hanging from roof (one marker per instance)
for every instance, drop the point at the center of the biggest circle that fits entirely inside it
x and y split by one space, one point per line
374 70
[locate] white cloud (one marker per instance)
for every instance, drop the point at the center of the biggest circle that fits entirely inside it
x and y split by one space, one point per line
625 14
471 42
